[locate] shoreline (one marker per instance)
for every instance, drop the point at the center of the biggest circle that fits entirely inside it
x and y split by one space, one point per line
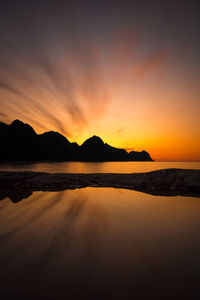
166 182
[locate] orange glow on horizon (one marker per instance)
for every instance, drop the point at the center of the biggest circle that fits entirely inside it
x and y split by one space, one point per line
132 101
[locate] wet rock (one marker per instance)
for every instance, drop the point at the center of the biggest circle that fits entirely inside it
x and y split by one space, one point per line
167 182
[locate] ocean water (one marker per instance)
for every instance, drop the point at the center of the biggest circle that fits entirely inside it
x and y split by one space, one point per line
100 167
100 243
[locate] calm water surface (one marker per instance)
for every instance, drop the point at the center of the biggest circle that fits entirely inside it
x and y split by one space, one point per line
101 167
100 243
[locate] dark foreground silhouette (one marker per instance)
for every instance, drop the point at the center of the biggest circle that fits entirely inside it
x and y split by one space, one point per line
168 182
19 142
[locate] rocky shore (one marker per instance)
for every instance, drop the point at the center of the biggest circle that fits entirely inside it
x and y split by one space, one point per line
167 182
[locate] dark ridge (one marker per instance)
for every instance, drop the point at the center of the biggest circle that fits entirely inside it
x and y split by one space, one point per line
19 142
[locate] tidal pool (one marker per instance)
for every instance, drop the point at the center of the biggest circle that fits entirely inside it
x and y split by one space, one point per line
100 243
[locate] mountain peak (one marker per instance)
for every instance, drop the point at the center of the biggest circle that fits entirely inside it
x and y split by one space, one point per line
56 136
19 125
93 141
96 138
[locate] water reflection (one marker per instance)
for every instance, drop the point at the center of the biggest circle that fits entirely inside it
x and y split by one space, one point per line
96 167
99 244
14 196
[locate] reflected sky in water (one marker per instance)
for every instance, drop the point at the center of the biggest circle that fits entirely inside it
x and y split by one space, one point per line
97 167
100 243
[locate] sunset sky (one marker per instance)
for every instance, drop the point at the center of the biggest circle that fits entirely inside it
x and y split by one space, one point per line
127 71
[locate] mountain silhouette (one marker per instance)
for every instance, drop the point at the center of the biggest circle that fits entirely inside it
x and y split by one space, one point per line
19 142
94 149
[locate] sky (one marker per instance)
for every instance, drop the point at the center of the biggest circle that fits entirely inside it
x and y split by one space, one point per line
127 71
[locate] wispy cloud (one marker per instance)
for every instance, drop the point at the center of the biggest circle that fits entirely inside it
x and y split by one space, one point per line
150 64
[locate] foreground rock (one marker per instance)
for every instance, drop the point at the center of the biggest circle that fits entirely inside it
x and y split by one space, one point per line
168 182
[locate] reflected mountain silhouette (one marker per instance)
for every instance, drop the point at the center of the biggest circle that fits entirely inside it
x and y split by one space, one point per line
21 143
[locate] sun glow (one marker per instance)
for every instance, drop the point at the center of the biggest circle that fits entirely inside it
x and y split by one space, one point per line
133 91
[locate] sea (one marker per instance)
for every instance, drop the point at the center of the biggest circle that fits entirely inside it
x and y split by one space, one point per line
100 243
96 167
